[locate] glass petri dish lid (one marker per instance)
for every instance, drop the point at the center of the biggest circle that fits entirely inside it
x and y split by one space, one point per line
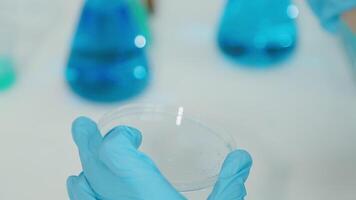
188 152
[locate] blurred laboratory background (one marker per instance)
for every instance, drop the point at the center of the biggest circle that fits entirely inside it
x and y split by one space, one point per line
266 71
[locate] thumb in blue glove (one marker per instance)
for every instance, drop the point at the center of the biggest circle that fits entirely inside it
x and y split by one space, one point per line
78 188
114 169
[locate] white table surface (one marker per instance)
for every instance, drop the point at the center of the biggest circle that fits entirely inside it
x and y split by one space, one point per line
297 119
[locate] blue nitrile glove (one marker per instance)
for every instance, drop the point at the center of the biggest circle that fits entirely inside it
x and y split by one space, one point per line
329 11
115 170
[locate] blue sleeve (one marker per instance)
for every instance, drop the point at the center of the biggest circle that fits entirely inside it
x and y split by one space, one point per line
329 11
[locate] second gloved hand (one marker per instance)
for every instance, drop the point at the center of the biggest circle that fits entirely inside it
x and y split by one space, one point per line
329 11
113 169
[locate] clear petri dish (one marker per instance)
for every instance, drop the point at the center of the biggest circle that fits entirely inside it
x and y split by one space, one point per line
188 151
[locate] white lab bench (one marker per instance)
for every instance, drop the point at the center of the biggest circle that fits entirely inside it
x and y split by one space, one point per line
298 119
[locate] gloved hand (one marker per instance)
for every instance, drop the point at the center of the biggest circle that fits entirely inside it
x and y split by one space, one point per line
329 11
115 170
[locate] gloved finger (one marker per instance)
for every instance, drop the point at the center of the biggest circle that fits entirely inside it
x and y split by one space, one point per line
119 147
79 189
119 153
86 135
124 136
234 173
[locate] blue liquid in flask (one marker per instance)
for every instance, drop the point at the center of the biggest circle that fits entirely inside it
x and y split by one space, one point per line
107 62
258 32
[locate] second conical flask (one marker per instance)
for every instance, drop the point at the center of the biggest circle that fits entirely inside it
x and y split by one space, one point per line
258 32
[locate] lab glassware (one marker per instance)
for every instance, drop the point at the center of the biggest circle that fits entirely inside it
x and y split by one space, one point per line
7 72
140 11
108 61
186 150
7 33
258 32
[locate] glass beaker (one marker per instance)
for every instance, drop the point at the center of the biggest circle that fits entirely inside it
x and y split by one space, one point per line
258 32
188 152
7 32
107 61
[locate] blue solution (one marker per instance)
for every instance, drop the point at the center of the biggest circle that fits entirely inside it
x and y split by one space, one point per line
258 32
107 62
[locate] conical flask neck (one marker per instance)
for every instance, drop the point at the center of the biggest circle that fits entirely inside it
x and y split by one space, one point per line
106 4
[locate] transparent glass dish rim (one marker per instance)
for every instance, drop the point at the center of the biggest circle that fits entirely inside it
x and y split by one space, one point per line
136 109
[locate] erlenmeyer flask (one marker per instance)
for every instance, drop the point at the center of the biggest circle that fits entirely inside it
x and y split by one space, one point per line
7 72
107 60
140 11
258 32
7 33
